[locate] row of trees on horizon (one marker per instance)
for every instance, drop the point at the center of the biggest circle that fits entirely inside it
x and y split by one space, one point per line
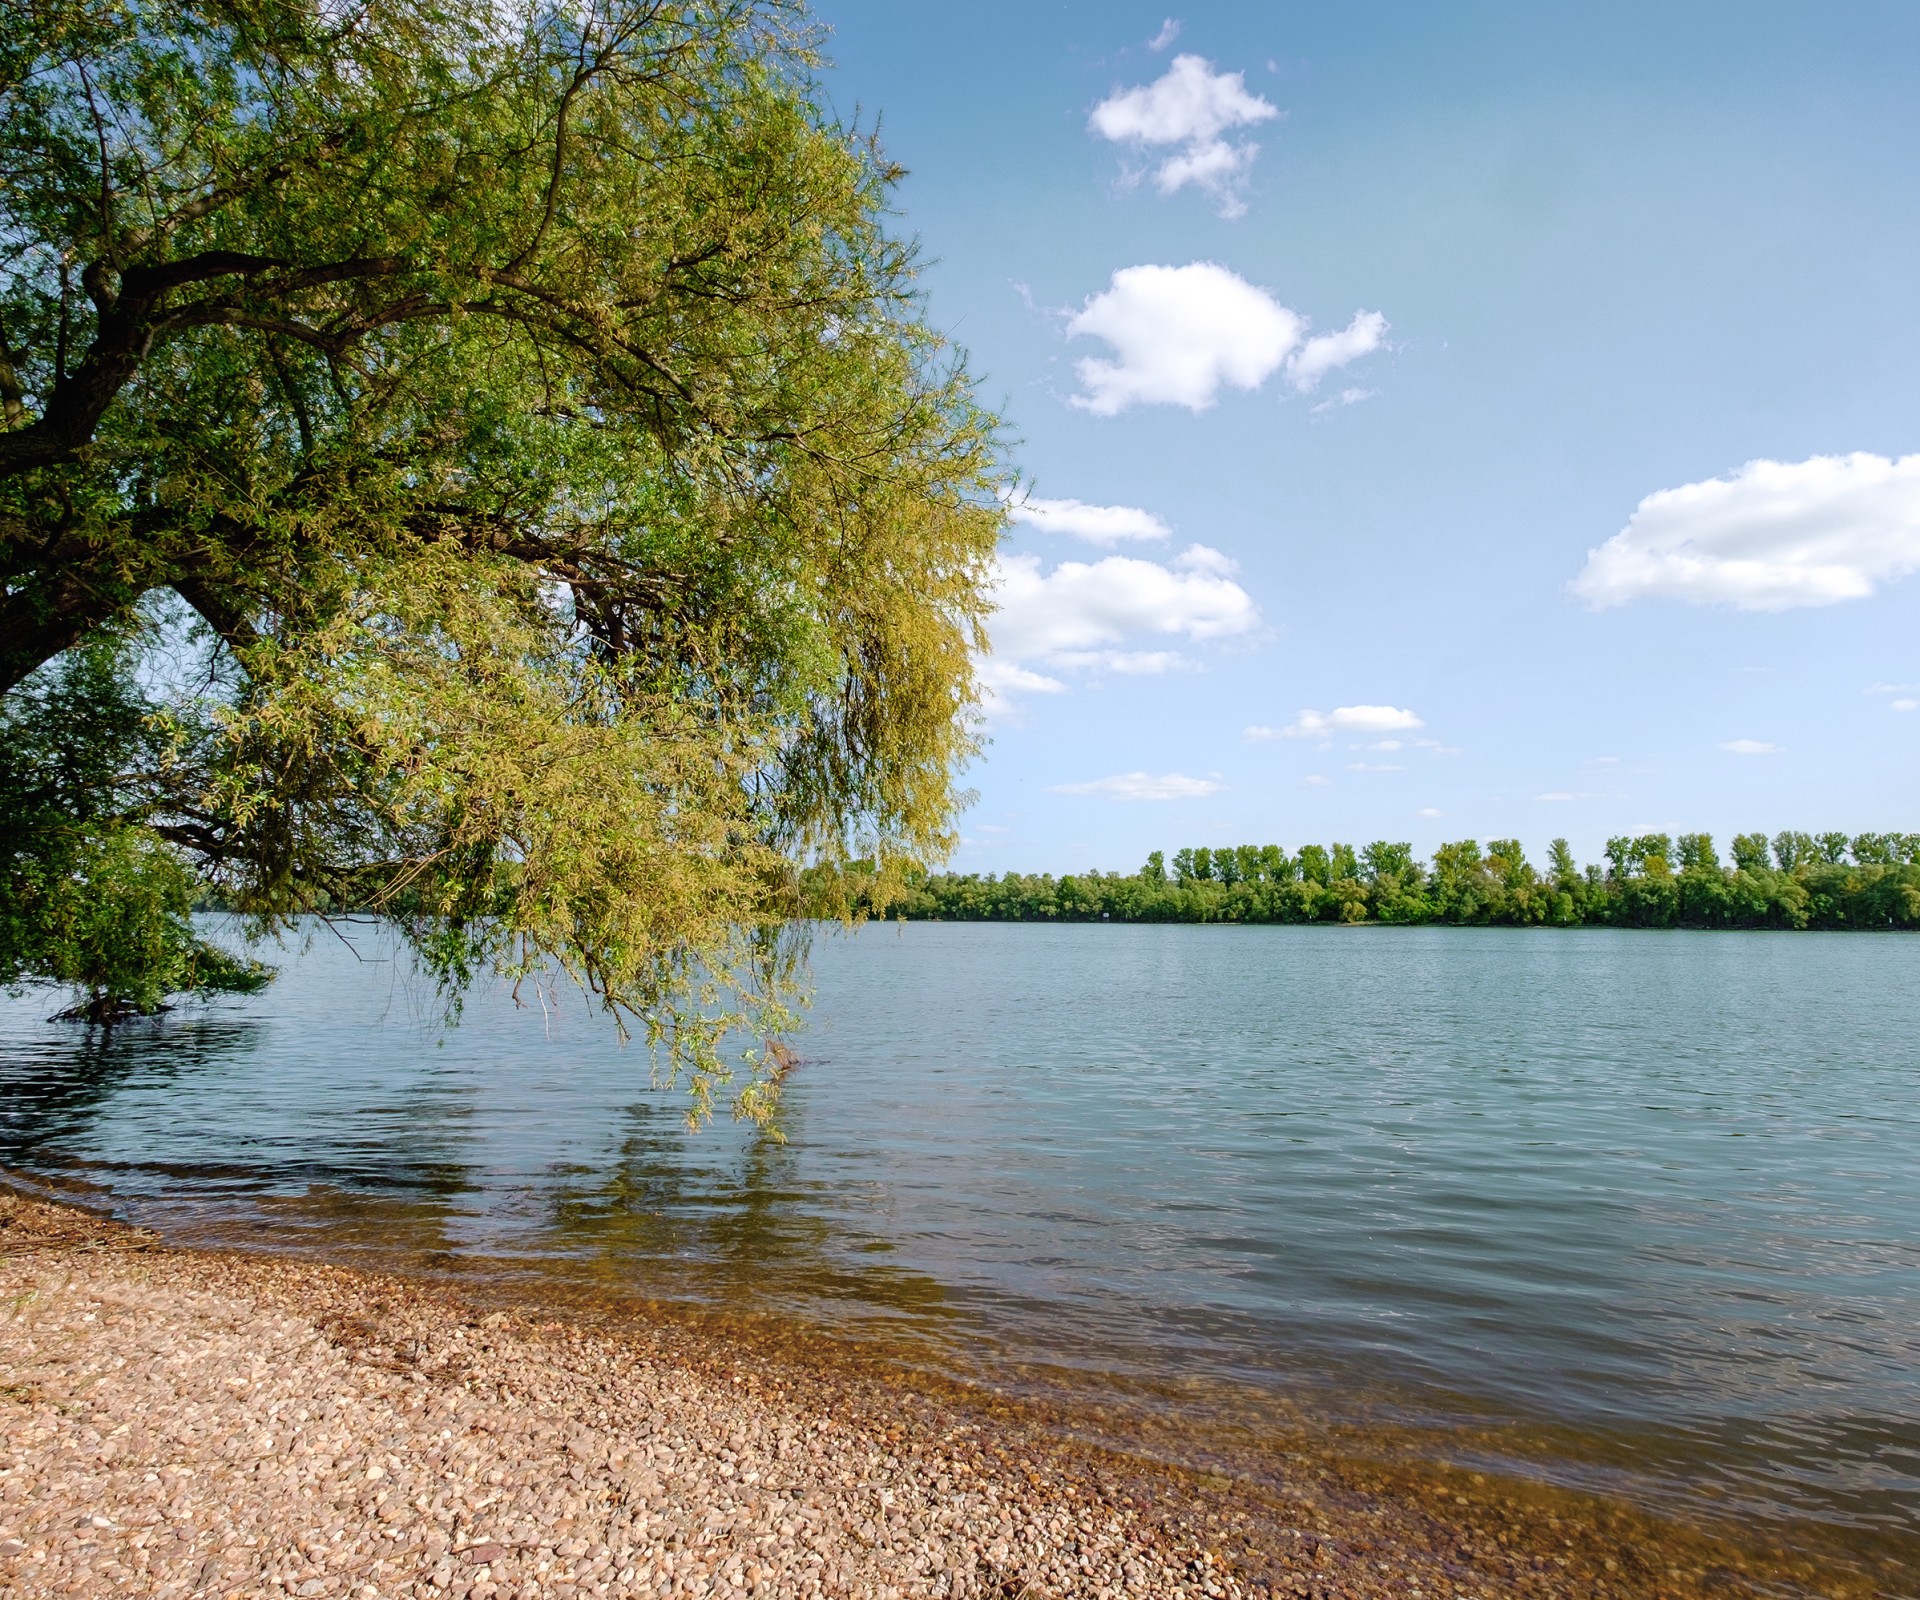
1792 881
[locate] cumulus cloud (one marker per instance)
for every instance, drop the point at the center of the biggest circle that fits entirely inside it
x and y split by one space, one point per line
1083 615
1751 747
1000 678
1082 605
1343 719
1182 334
1096 524
1771 536
1429 811
1144 786
1192 107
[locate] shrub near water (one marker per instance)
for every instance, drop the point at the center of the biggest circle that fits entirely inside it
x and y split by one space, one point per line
1794 880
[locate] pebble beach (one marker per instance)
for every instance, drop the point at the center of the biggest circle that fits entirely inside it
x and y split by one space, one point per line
181 1422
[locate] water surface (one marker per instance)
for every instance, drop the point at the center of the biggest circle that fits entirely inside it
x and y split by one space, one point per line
1631 1210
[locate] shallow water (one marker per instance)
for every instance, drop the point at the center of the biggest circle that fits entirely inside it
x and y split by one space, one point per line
1638 1211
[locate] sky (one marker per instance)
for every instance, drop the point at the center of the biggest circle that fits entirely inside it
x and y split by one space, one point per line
1432 421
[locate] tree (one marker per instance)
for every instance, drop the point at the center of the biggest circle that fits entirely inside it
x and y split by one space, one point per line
1793 850
579 521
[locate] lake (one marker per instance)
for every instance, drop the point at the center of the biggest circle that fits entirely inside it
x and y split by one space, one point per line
1637 1212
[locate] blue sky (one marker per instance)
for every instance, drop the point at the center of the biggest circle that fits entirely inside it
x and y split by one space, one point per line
1450 297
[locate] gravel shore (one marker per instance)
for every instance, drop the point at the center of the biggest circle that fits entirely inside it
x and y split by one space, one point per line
185 1423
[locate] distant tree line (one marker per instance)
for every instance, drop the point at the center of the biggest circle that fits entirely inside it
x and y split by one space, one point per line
1794 880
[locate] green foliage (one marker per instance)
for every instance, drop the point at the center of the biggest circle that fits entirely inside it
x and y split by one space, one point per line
91 896
1465 885
585 528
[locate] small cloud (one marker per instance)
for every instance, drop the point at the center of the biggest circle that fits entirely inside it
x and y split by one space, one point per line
1437 748
1182 334
1346 397
1904 705
1169 31
1129 663
1327 352
1429 811
1009 677
1191 106
991 827
1892 688
1144 786
1314 780
1385 744
1343 719
1373 766
1558 796
1095 524
1751 747
1606 761
1770 536
1081 615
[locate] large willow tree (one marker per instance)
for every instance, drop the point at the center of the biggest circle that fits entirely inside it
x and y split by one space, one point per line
488 466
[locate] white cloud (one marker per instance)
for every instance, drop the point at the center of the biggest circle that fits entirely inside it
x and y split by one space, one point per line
1346 397
1771 536
1144 786
1326 352
1429 811
1751 747
1314 780
1081 615
1082 605
1191 106
1904 705
1008 677
1343 719
1096 524
1373 766
1557 796
1181 334
1169 31
1132 663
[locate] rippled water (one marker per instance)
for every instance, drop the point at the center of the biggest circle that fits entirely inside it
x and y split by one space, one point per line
1637 1210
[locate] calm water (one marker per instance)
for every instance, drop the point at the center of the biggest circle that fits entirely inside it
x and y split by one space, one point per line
1633 1210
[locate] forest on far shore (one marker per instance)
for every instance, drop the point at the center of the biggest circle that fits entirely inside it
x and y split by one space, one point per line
1794 880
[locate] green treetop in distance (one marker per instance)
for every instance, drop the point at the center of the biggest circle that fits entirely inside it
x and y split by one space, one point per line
508 458
1831 881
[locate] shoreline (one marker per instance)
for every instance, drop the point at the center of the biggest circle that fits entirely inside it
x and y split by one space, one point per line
184 1421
